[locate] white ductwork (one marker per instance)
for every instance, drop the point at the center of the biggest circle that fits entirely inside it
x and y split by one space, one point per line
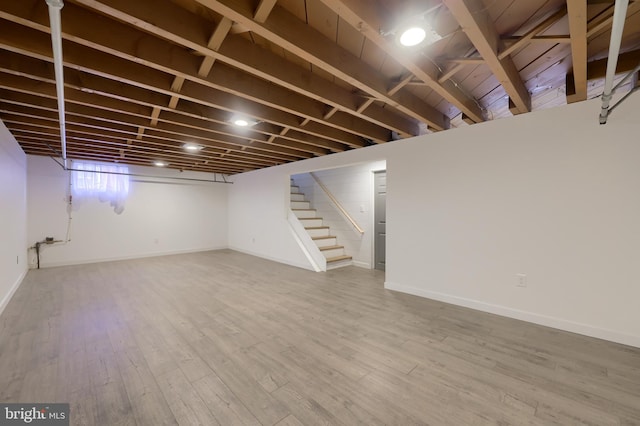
56 42
619 16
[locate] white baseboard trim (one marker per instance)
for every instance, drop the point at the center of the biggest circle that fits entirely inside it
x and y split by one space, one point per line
306 266
14 287
548 321
361 264
128 257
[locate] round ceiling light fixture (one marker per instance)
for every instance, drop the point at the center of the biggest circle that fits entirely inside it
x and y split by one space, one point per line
243 121
412 36
192 147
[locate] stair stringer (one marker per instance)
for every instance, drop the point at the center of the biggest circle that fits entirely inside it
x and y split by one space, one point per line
306 244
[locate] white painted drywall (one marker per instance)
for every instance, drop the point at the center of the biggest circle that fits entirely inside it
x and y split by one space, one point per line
550 194
258 210
159 218
352 186
13 215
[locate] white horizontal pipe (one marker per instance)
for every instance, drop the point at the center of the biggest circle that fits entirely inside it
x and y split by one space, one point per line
619 16
56 43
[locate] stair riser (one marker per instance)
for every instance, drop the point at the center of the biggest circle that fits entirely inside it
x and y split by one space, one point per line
295 190
297 197
325 242
300 205
302 214
311 222
340 264
318 232
333 252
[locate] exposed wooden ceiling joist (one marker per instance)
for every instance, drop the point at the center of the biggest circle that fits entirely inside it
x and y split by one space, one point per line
533 32
366 19
577 11
239 53
476 23
315 76
143 50
286 31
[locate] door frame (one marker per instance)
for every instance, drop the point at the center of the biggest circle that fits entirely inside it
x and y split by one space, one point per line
373 217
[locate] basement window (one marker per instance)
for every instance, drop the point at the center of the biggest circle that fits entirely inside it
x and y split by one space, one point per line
103 181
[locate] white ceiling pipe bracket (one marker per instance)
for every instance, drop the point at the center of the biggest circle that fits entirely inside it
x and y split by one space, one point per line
619 16
56 43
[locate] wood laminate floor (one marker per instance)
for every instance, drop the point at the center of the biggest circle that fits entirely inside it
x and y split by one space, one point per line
225 338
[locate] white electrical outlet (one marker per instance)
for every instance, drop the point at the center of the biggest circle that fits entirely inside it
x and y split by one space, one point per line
521 280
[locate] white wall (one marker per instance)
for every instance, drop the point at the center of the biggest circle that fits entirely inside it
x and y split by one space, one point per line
258 217
159 218
13 215
352 186
551 194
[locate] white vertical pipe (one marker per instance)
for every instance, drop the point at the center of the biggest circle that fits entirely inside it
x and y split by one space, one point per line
56 42
619 16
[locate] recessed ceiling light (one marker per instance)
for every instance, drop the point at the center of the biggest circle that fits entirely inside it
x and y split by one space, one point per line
243 121
160 163
193 147
412 36
417 32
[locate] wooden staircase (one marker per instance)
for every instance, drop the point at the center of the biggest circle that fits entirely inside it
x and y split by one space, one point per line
319 233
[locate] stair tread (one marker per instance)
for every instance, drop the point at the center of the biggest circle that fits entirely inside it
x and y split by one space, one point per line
338 258
309 218
304 210
316 227
322 237
331 247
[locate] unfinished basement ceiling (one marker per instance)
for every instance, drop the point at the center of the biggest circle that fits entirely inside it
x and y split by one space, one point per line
145 77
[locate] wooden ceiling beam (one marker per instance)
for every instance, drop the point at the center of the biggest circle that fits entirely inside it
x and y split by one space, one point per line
604 21
174 156
263 10
95 91
295 36
209 137
38 142
477 24
215 41
530 35
474 60
137 77
79 126
151 154
128 130
47 125
550 39
367 20
235 51
196 120
397 85
85 28
76 154
577 11
626 63
450 73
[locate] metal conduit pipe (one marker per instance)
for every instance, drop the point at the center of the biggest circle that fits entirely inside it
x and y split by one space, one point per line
619 16
56 43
